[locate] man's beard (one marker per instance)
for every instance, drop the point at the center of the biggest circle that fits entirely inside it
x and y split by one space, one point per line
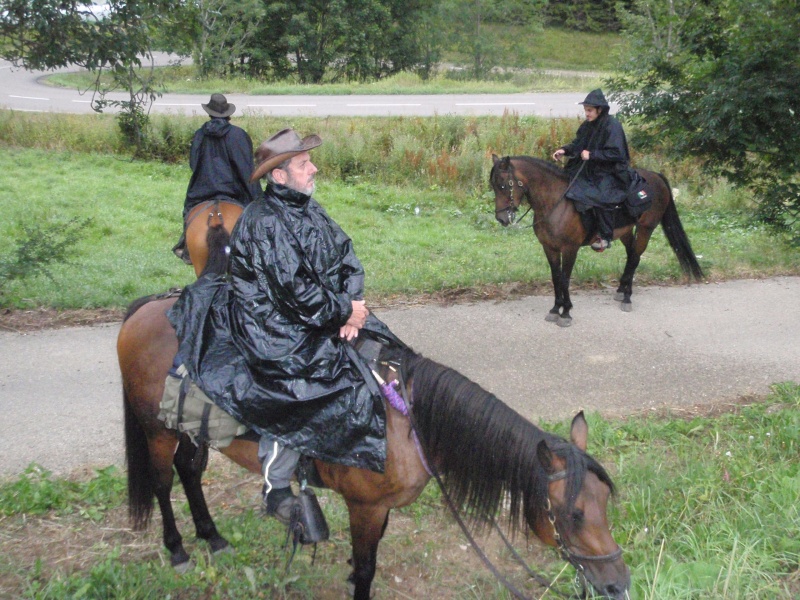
293 185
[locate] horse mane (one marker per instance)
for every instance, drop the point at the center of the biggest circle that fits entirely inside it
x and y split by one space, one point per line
538 163
484 450
551 168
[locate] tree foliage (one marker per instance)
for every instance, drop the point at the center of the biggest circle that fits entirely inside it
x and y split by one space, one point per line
331 40
49 34
720 80
469 23
583 15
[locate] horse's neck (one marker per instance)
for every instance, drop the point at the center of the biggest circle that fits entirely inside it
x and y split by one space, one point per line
544 189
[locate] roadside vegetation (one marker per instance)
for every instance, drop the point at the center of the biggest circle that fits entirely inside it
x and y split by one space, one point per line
706 507
411 192
552 49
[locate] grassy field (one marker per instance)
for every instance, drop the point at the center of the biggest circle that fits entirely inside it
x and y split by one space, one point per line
706 508
413 240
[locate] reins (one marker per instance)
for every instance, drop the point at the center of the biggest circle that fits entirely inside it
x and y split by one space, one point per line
564 551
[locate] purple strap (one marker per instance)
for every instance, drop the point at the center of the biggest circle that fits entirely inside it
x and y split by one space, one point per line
397 402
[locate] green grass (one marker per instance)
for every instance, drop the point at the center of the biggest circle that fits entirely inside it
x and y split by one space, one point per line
552 49
184 80
450 243
706 508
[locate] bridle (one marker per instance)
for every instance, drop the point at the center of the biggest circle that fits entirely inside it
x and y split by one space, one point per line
573 558
511 210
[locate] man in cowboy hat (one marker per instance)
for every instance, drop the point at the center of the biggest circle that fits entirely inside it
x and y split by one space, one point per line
598 166
279 355
221 159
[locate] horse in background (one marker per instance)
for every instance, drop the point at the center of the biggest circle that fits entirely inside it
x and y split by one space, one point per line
560 230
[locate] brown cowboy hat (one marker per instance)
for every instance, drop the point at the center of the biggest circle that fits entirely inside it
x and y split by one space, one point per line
219 106
280 147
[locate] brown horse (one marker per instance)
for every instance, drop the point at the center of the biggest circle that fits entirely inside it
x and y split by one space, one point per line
208 218
552 486
561 232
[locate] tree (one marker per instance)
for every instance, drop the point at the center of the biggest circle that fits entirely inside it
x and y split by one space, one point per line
48 34
472 38
583 15
719 80
225 28
336 39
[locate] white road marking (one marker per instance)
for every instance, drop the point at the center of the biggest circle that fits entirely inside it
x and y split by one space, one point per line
28 97
281 105
495 103
384 104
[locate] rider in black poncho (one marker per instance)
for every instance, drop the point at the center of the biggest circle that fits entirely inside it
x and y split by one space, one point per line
274 345
599 164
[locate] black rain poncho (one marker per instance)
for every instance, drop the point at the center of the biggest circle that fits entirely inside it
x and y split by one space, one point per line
265 346
221 159
605 179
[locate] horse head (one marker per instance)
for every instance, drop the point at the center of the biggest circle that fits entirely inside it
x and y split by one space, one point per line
509 190
578 490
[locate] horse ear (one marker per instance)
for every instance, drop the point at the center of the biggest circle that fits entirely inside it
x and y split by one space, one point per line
579 431
495 159
545 456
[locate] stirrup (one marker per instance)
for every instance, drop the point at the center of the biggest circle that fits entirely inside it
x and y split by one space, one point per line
307 525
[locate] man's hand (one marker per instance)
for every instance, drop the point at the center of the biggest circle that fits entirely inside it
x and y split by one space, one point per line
558 154
585 155
348 332
359 315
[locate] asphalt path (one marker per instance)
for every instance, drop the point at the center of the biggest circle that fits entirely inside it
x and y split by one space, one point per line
682 346
25 91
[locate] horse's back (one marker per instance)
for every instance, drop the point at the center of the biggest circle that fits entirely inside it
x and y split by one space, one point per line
200 220
146 345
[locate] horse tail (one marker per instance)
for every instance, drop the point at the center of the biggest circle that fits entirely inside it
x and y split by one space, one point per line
219 251
140 477
677 238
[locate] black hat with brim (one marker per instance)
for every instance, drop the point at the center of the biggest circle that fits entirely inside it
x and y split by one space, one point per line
219 106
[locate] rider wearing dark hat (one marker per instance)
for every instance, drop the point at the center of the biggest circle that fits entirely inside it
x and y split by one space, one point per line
221 159
276 347
598 166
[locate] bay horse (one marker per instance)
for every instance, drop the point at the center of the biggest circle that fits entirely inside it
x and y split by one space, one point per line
208 218
487 454
558 226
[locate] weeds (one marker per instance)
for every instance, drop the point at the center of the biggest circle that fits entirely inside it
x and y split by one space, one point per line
706 508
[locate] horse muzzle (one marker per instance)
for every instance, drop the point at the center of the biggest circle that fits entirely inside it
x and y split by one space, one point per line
506 216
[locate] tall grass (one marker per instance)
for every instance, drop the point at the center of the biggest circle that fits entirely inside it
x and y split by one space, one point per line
411 192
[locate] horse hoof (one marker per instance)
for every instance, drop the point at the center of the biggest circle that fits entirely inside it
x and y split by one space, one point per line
184 567
619 296
562 322
626 307
227 549
552 317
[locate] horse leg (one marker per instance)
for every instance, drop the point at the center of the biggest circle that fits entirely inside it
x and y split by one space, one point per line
367 526
162 449
190 462
635 245
554 260
567 263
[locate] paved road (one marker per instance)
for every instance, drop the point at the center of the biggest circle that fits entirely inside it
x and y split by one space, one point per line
22 90
60 399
